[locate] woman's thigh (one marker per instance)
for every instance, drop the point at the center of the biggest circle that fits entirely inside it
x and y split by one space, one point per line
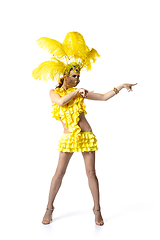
63 161
89 160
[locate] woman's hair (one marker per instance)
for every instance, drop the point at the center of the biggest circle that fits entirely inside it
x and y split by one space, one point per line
60 83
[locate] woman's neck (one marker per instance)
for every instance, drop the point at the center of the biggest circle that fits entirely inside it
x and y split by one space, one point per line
65 87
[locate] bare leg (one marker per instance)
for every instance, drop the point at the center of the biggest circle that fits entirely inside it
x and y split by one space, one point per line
56 183
89 159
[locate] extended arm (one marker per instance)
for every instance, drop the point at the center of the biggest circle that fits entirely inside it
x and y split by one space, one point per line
110 94
103 97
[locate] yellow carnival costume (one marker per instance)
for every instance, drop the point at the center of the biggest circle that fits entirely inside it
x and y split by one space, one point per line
74 54
76 141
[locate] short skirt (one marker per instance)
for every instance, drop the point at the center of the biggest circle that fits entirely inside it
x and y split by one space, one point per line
86 142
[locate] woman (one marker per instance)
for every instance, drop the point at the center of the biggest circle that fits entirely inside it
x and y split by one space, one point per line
69 108
89 157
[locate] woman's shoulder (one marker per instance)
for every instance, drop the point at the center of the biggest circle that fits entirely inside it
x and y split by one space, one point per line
56 90
52 90
51 93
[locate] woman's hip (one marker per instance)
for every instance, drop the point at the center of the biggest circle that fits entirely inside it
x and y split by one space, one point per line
81 142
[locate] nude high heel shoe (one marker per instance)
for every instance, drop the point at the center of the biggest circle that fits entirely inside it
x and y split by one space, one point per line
101 222
47 221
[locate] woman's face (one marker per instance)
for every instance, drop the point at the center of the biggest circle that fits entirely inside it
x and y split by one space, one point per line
73 79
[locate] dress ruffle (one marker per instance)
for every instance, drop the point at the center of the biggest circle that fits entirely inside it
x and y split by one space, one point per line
85 142
69 113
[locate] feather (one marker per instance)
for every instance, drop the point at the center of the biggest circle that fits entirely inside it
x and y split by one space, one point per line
52 70
90 57
73 49
74 45
52 46
93 54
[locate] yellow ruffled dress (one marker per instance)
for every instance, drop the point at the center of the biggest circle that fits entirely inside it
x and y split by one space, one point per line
76 141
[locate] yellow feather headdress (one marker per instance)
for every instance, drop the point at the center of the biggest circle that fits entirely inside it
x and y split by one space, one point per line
73 53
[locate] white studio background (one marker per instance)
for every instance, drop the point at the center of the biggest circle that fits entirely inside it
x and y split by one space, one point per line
126 35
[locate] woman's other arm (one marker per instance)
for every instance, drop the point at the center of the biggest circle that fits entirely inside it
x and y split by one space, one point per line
56 98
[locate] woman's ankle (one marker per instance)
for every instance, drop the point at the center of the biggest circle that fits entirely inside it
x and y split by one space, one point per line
50 206
97 207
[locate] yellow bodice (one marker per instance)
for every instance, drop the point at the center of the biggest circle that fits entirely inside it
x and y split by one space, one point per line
69 113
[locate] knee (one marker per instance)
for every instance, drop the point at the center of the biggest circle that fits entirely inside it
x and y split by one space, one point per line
91 174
